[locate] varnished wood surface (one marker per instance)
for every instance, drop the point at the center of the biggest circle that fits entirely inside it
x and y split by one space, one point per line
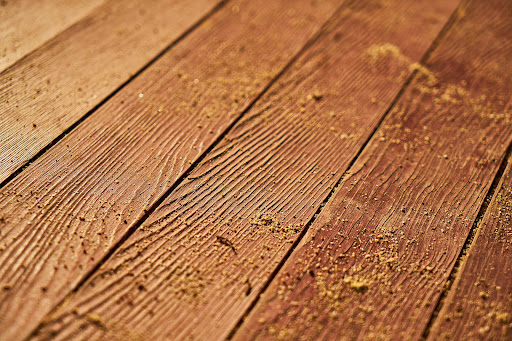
376 260
56 85
201 259
64 213
291 169
25 24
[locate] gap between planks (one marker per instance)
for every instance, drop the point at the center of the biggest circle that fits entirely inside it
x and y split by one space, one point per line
190 169
60 88
448 25
178 182
457 270
23 28
401 85
152 61
493 181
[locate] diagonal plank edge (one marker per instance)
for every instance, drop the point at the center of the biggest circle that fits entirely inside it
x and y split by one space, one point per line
23 28
479 304
459 264
194 267
417 68
380 252
50 89
64 213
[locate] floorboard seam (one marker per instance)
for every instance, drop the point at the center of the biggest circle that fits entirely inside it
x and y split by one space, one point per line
15 63
468 242
112 94
83 118
425 57
153 207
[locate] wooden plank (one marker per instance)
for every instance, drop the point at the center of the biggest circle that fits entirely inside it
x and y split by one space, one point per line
375 261
479 305
199 261
62 214
25 25
56 85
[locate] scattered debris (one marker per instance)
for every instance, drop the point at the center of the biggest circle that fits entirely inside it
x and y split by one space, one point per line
502 317
484 330
316 95
266 219
96 320
226 242
358 285
483 295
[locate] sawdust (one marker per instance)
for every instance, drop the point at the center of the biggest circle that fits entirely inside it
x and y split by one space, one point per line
270 221
379 52
384 54
357 284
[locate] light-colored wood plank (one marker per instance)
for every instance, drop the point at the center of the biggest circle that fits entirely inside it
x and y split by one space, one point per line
64 212
26 24
56 85
479 304
197 263
375 261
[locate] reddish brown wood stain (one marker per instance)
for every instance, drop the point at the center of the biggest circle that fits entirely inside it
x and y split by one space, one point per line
61 215
401 204
49 90
479 305
377 258
195 266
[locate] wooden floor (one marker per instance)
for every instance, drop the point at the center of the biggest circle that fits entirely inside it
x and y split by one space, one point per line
255 170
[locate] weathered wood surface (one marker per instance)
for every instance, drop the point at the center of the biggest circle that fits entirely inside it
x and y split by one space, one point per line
62 214
194 267
479 304
56 85
376 260
26 24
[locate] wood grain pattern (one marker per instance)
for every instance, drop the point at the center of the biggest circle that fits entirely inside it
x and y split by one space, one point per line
63 213
60 82
25 24
479 304
376 259
197 263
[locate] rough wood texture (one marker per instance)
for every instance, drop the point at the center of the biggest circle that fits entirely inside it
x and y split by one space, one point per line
479 304
197 263
62 214
376 259
45 93
26 24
